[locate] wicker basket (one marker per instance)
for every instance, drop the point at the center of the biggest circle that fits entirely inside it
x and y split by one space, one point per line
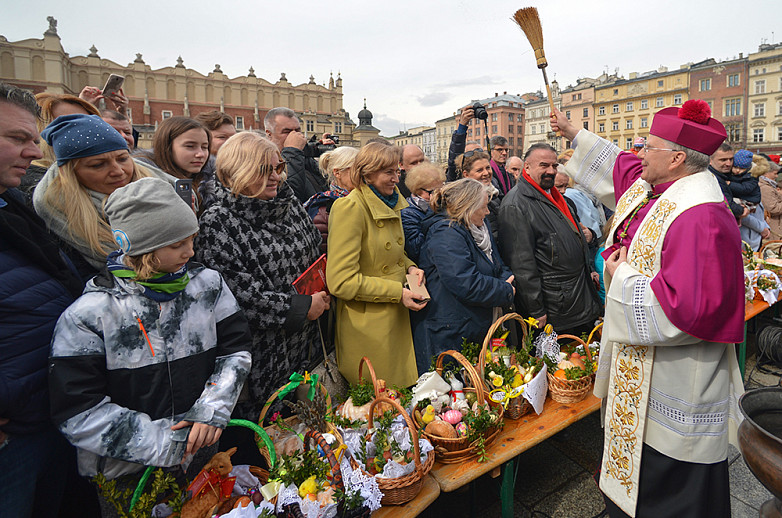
570 391
379 390
400 490
456 450
518 406
290 421
294 511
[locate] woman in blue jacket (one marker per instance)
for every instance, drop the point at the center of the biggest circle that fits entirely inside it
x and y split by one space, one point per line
466 277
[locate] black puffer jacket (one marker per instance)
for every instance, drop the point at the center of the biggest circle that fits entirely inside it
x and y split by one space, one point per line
723 179
549 259
304 177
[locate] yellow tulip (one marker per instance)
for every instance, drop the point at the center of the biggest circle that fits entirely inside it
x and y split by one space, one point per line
531 321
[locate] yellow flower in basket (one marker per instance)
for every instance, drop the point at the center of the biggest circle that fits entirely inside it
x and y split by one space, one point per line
497 381
532 322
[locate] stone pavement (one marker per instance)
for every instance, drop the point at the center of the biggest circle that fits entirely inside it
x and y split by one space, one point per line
555 478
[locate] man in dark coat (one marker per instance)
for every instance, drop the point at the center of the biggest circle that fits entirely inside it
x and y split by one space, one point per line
37 283
284 129
542 242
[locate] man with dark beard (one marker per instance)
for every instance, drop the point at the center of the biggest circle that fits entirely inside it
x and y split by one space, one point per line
540 239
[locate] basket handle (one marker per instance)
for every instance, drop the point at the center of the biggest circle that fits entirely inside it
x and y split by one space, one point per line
771 243
261 437
375 384
597 328
486 341
476 381
577 339
276 394
321 441
408 420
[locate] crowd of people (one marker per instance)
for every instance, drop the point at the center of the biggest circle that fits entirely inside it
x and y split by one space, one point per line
148 296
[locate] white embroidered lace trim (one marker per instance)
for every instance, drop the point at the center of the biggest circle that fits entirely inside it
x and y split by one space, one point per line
686 418
639 310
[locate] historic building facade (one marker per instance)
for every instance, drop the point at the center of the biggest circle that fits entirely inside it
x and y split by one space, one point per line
154 95
624 108
537 128
506 118
443 130
764 99
724 86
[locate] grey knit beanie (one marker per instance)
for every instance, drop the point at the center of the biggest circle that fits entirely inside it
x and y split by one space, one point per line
148 214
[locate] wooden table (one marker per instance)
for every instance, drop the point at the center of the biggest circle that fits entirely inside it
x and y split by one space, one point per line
414 507
516 437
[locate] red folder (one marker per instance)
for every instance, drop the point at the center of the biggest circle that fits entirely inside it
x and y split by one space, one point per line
313 279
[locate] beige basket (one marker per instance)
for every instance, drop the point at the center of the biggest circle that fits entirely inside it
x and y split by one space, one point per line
570 391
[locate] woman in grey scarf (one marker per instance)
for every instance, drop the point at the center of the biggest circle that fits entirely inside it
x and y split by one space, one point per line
465 275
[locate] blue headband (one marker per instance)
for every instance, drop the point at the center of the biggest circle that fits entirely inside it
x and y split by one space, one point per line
79 136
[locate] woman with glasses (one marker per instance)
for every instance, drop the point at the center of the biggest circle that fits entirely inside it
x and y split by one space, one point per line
258 236
466 278
422 180
367 271
475 164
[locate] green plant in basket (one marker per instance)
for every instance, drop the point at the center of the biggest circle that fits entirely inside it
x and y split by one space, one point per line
766 282
361 392
351 499
300 467
162 484
386 447
470 350
478 423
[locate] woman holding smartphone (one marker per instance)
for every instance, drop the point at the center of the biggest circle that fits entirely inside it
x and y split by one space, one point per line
181 150
367 271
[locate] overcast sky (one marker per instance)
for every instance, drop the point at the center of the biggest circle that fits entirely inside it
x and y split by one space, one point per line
414 61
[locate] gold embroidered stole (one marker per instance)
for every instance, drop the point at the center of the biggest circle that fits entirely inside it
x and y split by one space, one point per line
627 392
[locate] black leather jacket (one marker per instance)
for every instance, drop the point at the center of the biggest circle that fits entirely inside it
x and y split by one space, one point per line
549 258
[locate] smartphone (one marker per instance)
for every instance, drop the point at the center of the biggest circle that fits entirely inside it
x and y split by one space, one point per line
420 293
184 188
113 84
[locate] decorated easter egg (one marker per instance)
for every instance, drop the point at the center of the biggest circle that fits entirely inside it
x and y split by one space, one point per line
452 416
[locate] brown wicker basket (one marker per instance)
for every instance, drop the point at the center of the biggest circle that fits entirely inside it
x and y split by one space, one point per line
455 450
290 421
293 510
379 390
517 406
400 490
570 391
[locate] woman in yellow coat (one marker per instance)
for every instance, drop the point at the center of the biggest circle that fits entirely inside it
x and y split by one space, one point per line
366 271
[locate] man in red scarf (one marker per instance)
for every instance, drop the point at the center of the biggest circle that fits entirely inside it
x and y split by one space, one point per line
540 239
